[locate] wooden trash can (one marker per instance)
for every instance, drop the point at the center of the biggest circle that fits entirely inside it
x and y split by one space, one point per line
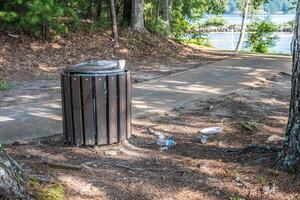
96 103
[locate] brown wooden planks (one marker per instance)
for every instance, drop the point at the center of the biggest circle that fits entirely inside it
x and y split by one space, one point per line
88 115
122 129
128 79
112 109
77 111
68 108
63 107
101 115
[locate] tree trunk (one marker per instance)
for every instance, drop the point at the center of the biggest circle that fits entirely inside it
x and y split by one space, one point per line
137 20
243 28
114 23
157 11
126 19
289 157
166 11
99 9
12 178
89 11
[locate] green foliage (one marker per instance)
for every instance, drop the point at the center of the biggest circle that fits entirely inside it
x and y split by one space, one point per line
52 192
261 36
4 85
45 18
289 24
197 39
159 27
215 21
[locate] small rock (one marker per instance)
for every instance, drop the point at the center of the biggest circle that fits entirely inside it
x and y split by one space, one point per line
275 139
111 153
240 183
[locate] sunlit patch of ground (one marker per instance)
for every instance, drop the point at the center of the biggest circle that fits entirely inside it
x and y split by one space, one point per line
236 163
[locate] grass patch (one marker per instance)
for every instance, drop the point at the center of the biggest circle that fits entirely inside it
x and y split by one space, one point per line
4 85
48 192
52 192
251 125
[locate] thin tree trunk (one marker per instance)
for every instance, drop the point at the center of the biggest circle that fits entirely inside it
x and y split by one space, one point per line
170 10
90 14
12 178
99 9
137 20
114 23
166 12
289 157
126 19
243 28
157 11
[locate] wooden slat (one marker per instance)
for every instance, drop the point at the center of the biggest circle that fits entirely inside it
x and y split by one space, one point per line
68 109
88 116
101 110
112 109
77 111
63 107
128 79
122 107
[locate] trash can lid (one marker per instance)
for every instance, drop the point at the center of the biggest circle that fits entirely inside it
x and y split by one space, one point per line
97 67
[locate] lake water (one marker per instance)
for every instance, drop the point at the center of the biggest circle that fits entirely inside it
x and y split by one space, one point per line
228 40
237 19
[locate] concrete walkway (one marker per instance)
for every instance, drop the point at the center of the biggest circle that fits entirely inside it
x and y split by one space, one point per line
27 121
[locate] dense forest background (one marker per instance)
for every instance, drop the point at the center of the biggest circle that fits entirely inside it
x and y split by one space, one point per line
46 18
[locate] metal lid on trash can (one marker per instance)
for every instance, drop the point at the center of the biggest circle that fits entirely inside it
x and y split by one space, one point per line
94 67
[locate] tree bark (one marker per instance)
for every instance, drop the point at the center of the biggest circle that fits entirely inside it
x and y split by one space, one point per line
89 10
289 157
127 8
114 23
137 20
166 10
157 11
12 178
243 28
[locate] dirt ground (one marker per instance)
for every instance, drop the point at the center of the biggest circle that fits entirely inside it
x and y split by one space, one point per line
148 56
235 165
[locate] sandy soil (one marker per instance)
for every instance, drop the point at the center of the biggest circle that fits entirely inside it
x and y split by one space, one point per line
236 164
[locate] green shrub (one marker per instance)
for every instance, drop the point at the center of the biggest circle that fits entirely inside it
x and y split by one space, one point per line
261 36
158 27
215 21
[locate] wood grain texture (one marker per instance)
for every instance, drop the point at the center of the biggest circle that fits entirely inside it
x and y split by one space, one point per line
112 109
77 111
122 111
68 109
101 114
128 79
88 115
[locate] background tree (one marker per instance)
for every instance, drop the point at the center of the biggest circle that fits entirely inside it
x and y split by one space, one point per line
243 27
255 4
137 21
127 9
289 157
114 24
